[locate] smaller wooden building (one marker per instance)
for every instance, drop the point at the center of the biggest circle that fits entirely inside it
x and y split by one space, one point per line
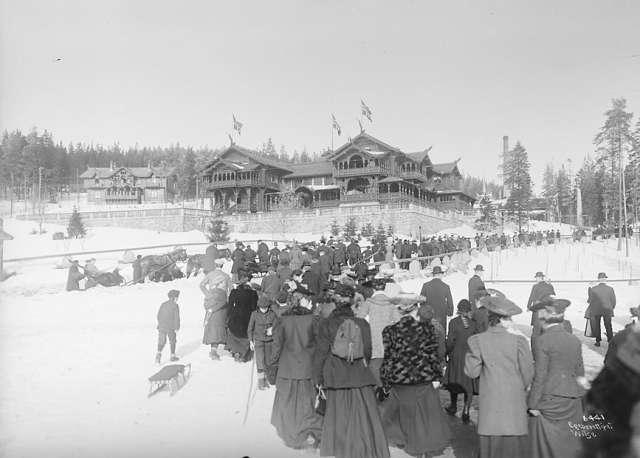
129 185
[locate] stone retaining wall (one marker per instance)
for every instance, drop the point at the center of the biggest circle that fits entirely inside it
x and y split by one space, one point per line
404 219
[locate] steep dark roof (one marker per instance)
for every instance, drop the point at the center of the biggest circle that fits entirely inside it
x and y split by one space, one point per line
359 136
420 155
251 154
309 169
445 168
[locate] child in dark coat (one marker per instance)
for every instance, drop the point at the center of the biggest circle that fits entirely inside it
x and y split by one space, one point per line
260 337
168 324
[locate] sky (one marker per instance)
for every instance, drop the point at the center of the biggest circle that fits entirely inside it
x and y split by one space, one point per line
454 75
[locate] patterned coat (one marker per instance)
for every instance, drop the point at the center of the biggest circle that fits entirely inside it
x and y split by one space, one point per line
410 353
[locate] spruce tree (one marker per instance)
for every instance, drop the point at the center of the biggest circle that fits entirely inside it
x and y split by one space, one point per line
335 228
518 179
549 191
350 227
75 228
613 140
564 196
218 230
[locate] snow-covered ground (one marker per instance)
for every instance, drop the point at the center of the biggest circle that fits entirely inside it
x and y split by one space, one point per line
75 364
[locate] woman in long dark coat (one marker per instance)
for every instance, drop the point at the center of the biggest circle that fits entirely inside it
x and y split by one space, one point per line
294 342
242 301
352 425
455 380
411 414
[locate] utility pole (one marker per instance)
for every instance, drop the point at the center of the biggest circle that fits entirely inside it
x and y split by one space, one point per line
77 189
621 197
40 207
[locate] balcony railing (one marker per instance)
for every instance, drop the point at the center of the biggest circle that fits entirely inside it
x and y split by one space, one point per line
362 197
413 175
357 171
235 183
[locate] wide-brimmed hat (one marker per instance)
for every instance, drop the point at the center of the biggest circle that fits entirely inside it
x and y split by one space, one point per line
437 270
500 306
407 308
551 304
479 268
539 274
219 261
602 275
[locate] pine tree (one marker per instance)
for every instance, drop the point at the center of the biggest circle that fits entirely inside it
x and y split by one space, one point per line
76 228
335 228
518 179
381 235
613 140
633 174
350 227
564 195
367 230
488 218
218 230
589 179
549 191
187 175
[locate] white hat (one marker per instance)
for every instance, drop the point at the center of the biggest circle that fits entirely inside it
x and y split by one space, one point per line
219 261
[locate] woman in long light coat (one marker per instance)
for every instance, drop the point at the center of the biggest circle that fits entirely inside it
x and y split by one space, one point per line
504 364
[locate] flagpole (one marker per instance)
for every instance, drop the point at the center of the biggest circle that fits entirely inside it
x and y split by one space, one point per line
331 136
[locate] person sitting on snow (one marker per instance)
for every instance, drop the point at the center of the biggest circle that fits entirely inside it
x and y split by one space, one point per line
168 324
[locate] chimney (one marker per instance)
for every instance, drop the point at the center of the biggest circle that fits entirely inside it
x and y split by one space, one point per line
505 145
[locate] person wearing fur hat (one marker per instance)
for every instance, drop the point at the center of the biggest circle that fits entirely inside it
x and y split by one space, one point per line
352 426
260 333
438 295
537 330
412 416
168 324
242 301
555 397
294 342
503 362
455 380
621 336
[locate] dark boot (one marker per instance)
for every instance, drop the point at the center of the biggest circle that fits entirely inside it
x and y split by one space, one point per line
174 357
213 354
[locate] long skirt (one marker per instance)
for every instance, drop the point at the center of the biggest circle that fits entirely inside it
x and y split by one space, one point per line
505 447
215 330
413 419
238 345
551 434
293 414
352 425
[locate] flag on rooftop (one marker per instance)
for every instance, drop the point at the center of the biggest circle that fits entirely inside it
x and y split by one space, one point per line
237 125
366 111
336 126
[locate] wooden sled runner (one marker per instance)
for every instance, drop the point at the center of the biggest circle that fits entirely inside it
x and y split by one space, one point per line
174 375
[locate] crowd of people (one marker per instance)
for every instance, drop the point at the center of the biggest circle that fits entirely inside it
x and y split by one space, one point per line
357 363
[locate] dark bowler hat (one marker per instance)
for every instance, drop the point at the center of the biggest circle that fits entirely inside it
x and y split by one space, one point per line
500 306
479 268
173 293
552 304
602 275
539 274
437 270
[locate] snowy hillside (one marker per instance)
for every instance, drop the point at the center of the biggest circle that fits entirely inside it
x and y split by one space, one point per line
75 361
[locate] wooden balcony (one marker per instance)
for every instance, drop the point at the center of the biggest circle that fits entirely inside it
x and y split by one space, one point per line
359 171
413 176
258 182
363 197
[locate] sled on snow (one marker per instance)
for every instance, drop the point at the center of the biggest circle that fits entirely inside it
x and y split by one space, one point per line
174 376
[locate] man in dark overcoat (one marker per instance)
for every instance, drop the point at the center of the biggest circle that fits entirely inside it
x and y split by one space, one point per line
539 291
353 252
602 301
438 295
475 285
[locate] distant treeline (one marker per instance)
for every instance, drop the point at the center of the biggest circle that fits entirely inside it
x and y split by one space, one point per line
22 156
